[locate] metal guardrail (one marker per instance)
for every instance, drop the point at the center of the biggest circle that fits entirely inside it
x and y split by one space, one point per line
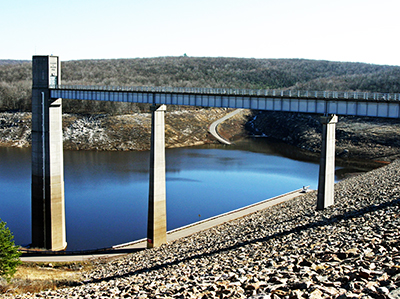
334 95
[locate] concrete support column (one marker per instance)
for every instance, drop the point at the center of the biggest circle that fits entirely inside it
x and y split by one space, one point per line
326 180
48 207
157 215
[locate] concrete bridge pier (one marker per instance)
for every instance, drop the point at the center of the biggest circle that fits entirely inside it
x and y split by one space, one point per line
48 207
326 181
157 215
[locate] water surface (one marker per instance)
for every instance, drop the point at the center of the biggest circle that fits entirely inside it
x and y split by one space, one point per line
106 193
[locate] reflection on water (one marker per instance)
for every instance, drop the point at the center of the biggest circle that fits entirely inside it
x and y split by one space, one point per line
106 192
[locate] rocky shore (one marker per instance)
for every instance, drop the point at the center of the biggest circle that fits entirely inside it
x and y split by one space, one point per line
349 250
361 138
121 132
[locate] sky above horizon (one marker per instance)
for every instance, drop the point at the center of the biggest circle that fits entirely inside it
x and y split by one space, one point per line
340 30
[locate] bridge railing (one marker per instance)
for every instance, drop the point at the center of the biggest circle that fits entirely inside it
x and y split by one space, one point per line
243 92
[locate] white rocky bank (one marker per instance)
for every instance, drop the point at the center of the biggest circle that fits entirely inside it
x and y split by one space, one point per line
15 129
116 132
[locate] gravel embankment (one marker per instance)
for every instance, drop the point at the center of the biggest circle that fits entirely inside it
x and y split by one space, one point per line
350 250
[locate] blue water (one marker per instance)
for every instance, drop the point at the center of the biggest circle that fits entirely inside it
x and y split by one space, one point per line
106 192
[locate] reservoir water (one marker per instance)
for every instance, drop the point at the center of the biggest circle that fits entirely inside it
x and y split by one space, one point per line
106 192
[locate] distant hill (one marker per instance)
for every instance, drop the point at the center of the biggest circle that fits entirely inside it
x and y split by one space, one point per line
10 61
234 73
15 76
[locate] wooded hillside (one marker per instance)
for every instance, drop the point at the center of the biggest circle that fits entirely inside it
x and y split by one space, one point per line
15 77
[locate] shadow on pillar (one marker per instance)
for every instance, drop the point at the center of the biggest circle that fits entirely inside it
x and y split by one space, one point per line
157 215
326 179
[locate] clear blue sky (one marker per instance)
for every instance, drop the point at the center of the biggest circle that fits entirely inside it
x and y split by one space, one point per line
337 30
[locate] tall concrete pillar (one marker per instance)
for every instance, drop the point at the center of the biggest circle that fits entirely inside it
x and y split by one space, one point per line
48 207
157 215
326 180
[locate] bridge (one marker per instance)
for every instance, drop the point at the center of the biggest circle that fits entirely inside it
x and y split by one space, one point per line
48 215
321 102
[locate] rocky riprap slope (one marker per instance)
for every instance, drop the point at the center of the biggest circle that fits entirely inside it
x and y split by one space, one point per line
356 137
349 250
120 132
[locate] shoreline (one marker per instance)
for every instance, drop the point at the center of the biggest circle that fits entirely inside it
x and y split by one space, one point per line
124 132
172 235
357 139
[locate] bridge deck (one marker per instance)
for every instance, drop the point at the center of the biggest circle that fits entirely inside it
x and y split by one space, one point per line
321 102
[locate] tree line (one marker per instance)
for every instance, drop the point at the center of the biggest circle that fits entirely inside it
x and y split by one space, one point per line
16 77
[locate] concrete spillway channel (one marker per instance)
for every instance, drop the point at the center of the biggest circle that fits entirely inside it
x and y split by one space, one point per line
213 127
